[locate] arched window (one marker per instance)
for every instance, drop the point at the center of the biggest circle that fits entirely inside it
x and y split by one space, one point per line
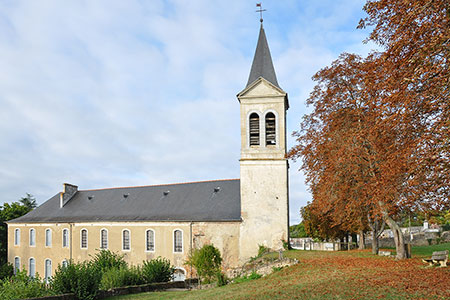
104 239
270 129
150 240
177 241
16 264
32 237
48 270
32 268
126 240
65 263
17 237
65 238
48 237
84 239
254 129
179 274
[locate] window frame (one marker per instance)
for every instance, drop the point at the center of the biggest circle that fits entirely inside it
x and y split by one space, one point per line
101 238
249 129
81 238
174 248
16 264
46 275
275 115
48 238
32 237
146 241
29 267
129 239
65 239
17 237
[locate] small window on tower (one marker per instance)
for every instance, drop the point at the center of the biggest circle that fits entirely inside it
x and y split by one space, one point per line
254 129
270 129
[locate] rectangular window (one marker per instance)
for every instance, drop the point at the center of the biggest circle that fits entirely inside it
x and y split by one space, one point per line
126 240
16 265
48 270
150 240
32 237
177 241
17 237
65 238
84 237
32 268
48 237
104 239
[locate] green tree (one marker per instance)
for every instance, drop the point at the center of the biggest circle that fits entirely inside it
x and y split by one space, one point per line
207 262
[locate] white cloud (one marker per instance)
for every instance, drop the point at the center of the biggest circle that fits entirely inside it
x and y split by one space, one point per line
114 93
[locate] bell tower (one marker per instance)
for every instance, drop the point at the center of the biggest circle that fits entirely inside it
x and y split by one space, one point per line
263 163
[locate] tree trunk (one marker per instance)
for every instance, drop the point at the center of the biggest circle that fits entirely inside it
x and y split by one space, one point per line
362 246
375 242
398 237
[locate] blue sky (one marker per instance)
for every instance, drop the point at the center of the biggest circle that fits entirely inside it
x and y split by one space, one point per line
122 93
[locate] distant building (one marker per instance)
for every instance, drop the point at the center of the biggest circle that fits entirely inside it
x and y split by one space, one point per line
169 220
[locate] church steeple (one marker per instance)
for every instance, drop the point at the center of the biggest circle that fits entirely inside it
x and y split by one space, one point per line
262 62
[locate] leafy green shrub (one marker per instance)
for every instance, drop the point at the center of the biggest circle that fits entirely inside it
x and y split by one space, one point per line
118 277
82 279
22 286
206 261
157 270
106 259
6 270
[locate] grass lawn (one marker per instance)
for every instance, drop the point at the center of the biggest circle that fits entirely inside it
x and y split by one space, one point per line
334 275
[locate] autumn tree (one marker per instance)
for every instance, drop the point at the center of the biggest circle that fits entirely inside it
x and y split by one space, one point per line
378 139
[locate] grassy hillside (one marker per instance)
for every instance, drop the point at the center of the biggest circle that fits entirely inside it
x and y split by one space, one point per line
333 275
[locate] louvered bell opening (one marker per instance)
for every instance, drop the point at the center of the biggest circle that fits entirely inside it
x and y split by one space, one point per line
270 129
254 129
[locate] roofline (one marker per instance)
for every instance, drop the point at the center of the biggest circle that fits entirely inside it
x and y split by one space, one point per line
155 185
121 221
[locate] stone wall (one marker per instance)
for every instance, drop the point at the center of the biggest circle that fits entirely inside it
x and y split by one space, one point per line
125 290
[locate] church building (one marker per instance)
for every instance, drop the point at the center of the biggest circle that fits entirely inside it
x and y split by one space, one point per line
169 220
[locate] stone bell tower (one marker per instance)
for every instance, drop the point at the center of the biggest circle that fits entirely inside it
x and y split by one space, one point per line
263 163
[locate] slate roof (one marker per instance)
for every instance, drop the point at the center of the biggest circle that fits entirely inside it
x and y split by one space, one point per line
262 65
195 201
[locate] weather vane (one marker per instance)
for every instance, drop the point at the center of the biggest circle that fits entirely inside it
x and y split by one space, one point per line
260 10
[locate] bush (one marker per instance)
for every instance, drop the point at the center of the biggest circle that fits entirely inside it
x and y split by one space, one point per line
206 261
118 277
106 259
6 271
82 279
157 270
21 286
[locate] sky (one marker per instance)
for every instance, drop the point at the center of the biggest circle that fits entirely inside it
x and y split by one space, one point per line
112 93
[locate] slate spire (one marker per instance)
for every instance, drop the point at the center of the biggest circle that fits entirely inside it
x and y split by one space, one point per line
262 62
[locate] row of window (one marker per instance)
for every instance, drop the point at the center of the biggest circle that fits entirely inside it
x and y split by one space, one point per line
254 132
32 267
126 239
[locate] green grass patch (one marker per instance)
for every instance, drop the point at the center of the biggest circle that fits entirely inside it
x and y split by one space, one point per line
428 250
330 275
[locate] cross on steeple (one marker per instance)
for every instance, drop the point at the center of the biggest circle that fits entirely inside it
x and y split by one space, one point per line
260 10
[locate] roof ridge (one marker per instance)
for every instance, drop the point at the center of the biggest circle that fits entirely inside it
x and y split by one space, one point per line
155 185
